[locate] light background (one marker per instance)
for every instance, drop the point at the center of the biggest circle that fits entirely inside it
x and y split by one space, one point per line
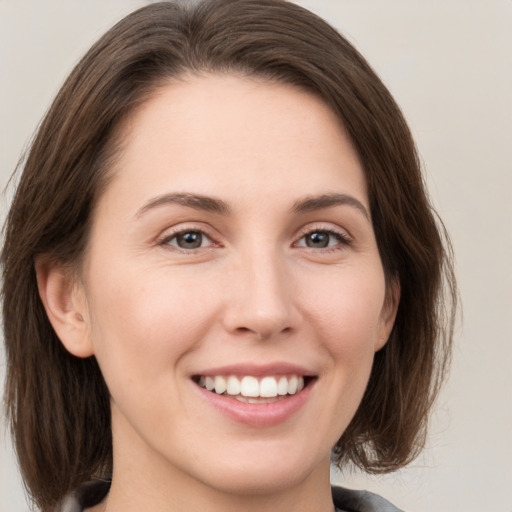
449 65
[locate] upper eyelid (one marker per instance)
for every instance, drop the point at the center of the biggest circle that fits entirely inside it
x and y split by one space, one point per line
170 233
185 226
327 227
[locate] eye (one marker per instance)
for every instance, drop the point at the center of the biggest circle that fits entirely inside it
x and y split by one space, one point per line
188 240
322 239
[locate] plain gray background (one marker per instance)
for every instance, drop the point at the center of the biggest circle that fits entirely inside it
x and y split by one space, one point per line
449 65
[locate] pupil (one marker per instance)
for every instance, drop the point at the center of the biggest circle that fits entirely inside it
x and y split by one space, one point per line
190 240
317 239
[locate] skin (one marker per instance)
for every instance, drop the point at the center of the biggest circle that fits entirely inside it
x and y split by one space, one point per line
155 314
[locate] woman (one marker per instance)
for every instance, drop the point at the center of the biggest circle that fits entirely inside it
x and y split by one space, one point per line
221 271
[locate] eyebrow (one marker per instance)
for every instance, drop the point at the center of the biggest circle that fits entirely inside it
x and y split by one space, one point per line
312 203
195 201
214 205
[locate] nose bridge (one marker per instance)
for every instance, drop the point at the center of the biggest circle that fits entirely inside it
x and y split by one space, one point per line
261 299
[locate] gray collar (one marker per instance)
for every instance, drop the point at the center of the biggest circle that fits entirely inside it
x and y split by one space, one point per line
345 500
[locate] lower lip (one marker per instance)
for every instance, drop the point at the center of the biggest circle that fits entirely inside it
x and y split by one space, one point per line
257 415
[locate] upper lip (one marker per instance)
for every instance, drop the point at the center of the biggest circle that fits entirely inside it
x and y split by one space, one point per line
257 370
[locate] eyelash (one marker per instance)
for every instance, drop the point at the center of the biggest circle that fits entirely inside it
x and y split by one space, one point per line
343 240
169 237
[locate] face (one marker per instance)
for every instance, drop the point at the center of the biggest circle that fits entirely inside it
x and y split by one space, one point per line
233 249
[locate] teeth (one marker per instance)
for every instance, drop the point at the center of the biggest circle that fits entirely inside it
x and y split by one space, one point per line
282 386
209 383
268 387
220 385
292 385
251 387
233 386
258 400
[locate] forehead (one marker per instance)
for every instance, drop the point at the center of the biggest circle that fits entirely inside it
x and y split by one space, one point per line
238 136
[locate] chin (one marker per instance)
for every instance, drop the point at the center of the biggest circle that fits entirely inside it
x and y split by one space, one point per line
273 473
244 482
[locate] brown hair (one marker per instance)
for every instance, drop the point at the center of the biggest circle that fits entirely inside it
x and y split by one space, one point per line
58 404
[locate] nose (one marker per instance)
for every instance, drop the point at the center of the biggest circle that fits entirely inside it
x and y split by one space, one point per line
260 298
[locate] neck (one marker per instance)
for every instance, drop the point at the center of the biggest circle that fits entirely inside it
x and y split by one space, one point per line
134 489
297 500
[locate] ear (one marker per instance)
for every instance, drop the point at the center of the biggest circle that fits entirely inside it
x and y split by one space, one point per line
388 313
64 301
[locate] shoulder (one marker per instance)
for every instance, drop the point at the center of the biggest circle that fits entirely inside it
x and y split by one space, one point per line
361 501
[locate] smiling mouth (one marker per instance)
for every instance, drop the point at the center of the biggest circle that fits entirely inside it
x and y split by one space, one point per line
253 390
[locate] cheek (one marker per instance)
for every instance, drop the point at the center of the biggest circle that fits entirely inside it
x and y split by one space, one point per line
347 310
344 316
144 320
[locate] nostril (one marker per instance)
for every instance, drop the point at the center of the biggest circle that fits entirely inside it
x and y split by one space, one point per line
243 329
263 333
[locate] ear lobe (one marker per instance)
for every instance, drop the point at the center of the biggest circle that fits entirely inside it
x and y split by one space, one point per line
388 313
65 305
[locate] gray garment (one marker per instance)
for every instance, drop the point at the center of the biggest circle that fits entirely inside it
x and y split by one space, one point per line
348 500
345 500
